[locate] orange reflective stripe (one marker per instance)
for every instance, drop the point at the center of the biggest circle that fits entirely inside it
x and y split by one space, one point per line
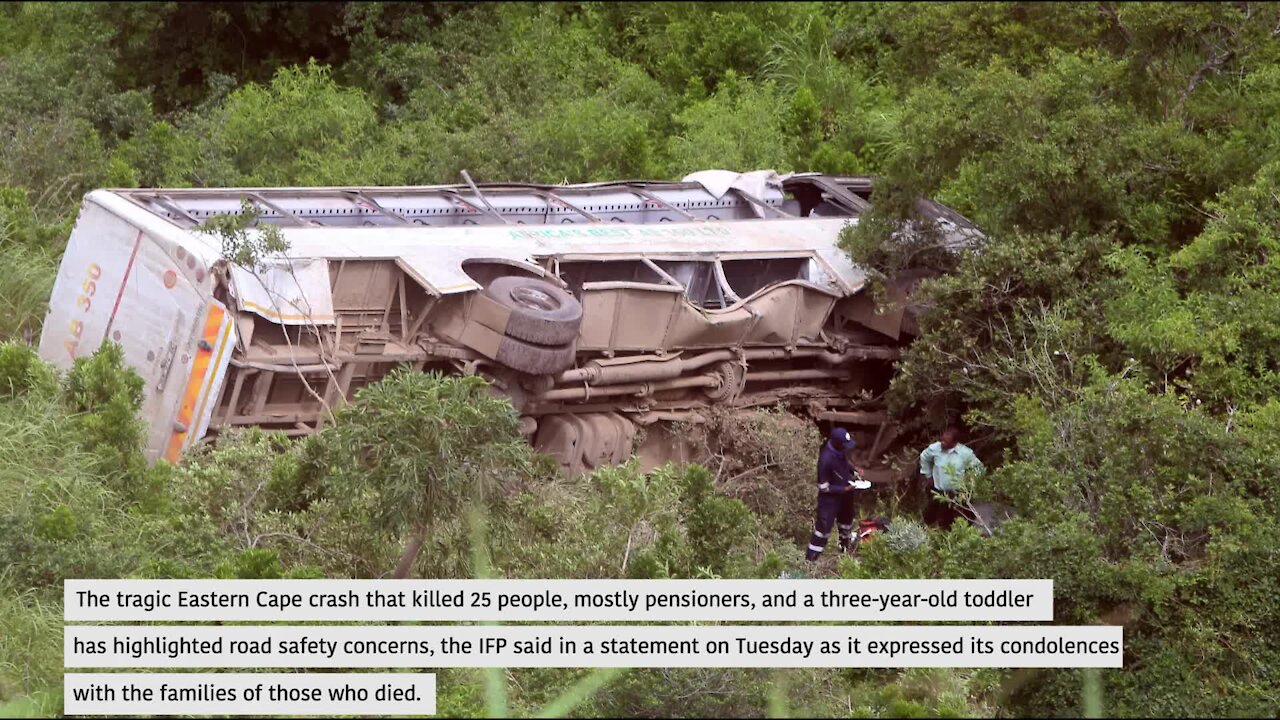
195 382
221 346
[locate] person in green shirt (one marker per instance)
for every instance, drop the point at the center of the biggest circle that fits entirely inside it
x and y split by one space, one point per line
944 465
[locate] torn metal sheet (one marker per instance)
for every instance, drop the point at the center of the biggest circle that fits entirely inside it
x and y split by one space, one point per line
720 182
289 292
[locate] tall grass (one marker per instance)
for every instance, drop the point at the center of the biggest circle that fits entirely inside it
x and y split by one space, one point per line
1091 693
495 679
26 279
30 652
57 519
39 468
29 254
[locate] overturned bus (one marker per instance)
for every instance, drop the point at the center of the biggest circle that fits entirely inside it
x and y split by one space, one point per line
598 309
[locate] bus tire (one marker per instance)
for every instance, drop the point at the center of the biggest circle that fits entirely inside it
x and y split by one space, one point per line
535 359
541 313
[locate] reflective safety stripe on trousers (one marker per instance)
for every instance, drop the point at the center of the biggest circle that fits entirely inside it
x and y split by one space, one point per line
202 371
818 542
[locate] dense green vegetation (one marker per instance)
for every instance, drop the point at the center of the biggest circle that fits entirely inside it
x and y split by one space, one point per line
1114 344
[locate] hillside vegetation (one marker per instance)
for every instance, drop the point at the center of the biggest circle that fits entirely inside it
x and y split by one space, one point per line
1113 346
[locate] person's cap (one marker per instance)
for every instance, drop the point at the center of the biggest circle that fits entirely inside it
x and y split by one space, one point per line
841 439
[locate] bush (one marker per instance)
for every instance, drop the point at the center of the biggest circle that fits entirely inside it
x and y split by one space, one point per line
21 370
413 450
60 519
619 522
905 535
106 396
714 524
301 129
768 460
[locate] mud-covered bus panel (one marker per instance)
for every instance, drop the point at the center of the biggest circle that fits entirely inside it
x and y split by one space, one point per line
633 317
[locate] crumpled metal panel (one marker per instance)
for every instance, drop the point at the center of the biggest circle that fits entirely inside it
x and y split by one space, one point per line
289 292
636 318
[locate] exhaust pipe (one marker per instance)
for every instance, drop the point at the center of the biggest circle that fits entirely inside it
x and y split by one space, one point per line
647 369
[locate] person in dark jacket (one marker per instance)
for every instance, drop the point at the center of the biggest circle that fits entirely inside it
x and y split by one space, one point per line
837 481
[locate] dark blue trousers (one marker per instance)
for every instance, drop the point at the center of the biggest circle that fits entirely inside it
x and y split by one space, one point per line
833 509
